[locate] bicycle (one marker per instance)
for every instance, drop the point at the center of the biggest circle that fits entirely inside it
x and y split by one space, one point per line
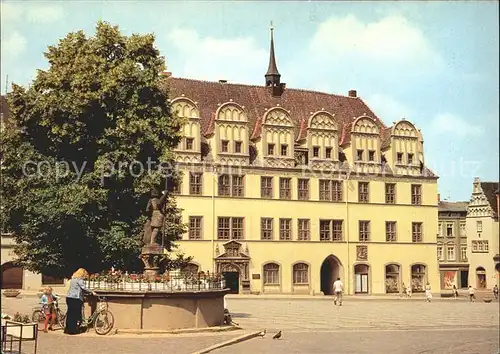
39 315
101 319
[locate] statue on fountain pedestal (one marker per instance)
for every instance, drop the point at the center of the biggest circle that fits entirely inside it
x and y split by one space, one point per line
154 225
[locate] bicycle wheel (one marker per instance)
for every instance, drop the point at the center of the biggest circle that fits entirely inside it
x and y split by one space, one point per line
61 319
104 322
38 316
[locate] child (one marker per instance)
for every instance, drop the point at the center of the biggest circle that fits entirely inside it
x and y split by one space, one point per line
408 291
472 294
455 292
428 294
47 300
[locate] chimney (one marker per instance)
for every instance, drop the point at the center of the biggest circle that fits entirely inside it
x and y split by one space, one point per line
352 93
222 81
439 197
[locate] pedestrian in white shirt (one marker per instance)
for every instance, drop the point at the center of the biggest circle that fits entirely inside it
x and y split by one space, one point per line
338 288
472 293
428 294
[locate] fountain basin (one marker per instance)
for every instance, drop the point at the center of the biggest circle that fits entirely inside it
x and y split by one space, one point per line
163 310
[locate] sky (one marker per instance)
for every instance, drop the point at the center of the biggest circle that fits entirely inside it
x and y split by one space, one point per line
433 63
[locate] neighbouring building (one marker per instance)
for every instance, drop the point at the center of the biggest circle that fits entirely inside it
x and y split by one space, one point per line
284 190
452 245
483 235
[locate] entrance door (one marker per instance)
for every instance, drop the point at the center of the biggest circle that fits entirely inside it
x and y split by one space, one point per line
361 283
12 276
232 281
464 279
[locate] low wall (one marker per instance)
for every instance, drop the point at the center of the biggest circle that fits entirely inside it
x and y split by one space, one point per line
153 310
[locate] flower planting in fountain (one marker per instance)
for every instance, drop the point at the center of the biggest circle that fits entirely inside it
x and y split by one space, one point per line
175 280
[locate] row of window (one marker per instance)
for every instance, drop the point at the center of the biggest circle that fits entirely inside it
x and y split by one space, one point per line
449 228
329 190
450 253
232 228
479 246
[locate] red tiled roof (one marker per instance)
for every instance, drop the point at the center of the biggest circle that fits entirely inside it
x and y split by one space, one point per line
256 99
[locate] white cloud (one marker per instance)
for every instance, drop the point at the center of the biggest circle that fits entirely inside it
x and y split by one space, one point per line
208 58
33 13
388 108
392 42
13 46
447 123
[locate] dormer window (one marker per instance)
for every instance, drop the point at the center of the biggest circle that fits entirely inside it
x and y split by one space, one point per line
359 155
410 159
315 151
237 147
270 149
328 153
400 157
371 155
284 149
224 147
189 143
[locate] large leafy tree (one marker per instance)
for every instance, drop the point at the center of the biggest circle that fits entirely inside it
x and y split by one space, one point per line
78 166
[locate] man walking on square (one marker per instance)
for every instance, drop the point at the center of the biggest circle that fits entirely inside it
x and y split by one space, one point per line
338 288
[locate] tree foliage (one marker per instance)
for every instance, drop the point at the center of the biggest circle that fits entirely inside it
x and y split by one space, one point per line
72 188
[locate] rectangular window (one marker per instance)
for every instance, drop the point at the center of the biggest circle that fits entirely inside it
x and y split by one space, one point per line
337 191
449 230
364 231
237 147
300 274
416 232
410 159
440 253
325 192
463 252
416 194
223 228
328 152
266 187
285 188
270 149
450 253
266 229
479 226
224 146
371 155
195 183
189 143
440 229
303 189
238 186
177 187
400 157
304 229
363 192
315 151
224 185
337 230
390 231
359 155
325 230
237 229
284 149
474 246
462 227
486 246
194 232
271 274
285 229
390 193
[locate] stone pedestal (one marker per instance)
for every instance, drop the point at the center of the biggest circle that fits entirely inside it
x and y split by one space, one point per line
151 256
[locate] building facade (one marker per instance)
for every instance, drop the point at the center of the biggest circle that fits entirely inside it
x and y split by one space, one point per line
483 235
284 190
452 245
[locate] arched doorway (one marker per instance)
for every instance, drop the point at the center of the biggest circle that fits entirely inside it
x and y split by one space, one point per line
231 274
12 276
330 271
418 278
361 278
392 278
481 278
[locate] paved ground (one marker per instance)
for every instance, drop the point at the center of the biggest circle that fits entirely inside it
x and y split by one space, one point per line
312 326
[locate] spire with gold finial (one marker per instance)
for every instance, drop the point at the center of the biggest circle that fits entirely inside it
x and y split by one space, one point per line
272 76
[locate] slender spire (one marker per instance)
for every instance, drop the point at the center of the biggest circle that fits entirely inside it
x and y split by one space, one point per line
272 75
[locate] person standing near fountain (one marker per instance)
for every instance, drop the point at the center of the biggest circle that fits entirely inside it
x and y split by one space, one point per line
74 300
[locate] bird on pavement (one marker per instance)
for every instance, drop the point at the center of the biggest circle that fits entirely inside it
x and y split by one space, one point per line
263 333
277 335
